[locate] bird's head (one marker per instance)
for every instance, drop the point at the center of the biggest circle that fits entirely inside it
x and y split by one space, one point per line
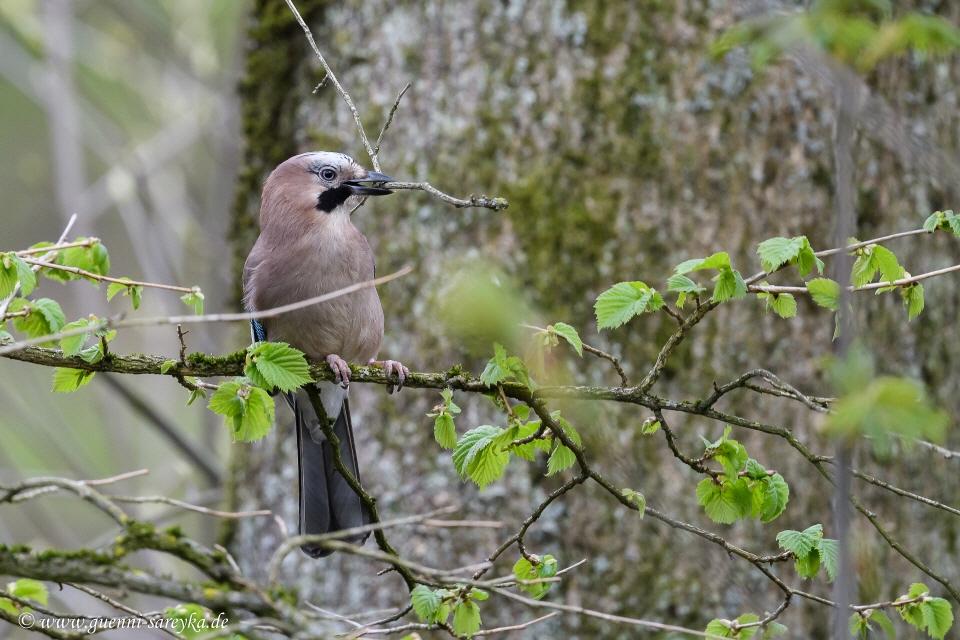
321 182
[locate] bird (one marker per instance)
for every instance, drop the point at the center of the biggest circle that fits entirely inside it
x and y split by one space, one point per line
308 246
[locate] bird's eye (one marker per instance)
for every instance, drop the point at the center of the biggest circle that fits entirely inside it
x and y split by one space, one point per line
328 174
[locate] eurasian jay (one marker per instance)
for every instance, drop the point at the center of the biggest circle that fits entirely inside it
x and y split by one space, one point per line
308 246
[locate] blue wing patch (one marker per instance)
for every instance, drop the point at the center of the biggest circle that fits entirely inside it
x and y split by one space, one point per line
258 332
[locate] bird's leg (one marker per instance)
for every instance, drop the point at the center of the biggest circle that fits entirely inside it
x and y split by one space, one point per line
341 371
389 366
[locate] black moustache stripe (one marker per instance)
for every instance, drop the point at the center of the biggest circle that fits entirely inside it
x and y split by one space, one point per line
333 198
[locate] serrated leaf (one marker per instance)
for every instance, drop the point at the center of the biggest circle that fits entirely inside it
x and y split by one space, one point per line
45 317
444 431
496 370
800 543
624 300
784 305
729 285
66 380
650 426
561 459
278 364
466 618
569 334
719 627
682 284
114 288
469 444
13 270
776 496
937 617
830 556
247 410
913 300
825 292
885 623
257 419
167 365
776 252
887 264
72 345
725 503
425 602
931 223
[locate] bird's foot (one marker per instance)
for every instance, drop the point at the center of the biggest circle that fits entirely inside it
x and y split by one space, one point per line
389 366
341 371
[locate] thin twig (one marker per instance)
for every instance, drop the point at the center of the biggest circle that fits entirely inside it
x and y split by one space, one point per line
43 264
222 317
189 507
386 125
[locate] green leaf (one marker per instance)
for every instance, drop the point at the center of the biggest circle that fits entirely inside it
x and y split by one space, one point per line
825 292
444 431
466 618
524 570
881 619
830 556
729 285
134 291
937 617
496 370
718 261
931 223
623 301
636 498
858 624
45 317
809 565
800 543
650 426
199 392
247 410
72 345
776 252
912 299
562 458
719 627
732 455
66 380
167 365
775 497
773 629
12 270
194 299
569 334
953 221
724 503
277 364
784 305
478 457
425 601
29 590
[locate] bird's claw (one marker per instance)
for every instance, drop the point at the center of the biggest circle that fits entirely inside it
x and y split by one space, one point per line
389 366
341 370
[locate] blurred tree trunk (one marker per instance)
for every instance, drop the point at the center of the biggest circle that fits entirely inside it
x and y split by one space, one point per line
623 150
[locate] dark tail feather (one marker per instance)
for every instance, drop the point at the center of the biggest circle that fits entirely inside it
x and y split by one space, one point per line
327 503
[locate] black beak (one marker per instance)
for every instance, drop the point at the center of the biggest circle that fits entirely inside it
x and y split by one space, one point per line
357 187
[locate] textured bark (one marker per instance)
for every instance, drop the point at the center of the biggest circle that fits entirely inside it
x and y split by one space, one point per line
623 150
